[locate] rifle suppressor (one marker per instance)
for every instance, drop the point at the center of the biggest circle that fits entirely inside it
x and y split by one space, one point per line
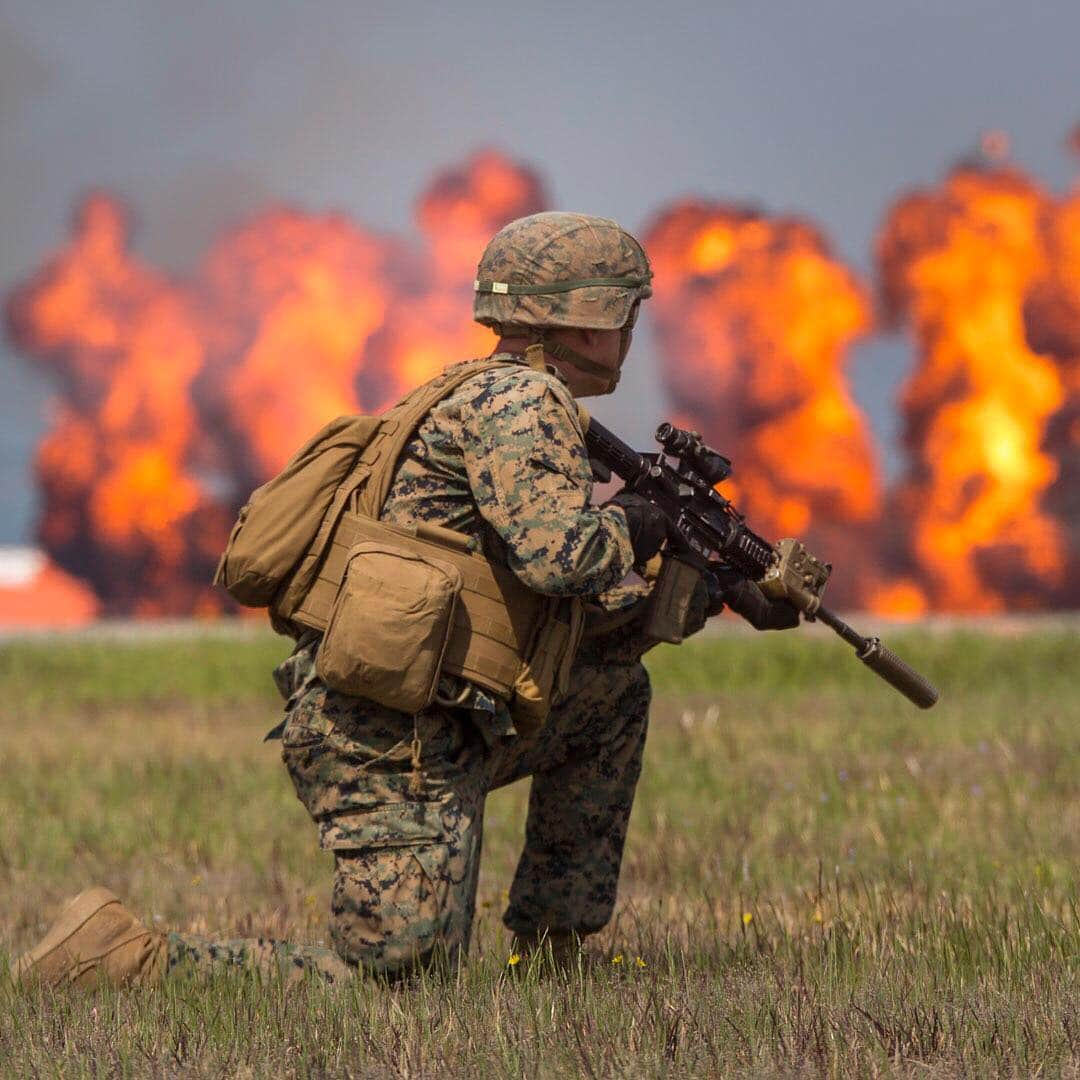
884 662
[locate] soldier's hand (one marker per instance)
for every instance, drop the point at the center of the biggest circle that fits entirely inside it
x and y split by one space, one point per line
746 599
648 525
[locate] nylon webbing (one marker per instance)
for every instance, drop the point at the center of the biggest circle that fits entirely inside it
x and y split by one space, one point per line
509 288
494 620
406 417
572 356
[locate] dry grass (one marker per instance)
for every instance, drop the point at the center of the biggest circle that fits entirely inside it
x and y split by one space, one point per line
819 879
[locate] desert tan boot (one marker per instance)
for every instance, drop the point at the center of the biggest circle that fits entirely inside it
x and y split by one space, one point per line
95 937
562 948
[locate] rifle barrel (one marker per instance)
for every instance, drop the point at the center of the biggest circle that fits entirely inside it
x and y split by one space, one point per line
848 633
622 459
883 662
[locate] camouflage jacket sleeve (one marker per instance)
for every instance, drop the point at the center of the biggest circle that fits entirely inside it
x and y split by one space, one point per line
525 455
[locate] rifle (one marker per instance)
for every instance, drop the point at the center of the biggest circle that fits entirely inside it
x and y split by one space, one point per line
709 534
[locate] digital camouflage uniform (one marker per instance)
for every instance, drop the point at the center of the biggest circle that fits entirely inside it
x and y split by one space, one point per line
400 799
502 459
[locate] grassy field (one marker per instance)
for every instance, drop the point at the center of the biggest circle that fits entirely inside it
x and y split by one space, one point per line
819 878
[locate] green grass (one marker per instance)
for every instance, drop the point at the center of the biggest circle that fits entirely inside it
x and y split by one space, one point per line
819 878
219 669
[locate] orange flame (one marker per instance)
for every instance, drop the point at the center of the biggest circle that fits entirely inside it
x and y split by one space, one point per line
178 397
1052 325
123 507
754 317
959 263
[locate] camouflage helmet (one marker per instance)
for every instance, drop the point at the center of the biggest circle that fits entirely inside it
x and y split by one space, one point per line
560 269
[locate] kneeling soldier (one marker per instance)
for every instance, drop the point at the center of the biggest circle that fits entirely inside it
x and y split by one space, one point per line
500 461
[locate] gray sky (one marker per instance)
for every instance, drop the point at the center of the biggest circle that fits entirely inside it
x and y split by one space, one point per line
200 113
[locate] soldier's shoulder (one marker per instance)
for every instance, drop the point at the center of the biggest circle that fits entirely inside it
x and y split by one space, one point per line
515 386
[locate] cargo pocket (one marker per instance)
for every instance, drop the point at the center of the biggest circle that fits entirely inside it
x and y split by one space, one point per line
304 727
403 824
391 907
389 626
393 891
545 675
344 765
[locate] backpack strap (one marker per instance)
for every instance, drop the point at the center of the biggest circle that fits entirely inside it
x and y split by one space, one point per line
366 486
398 426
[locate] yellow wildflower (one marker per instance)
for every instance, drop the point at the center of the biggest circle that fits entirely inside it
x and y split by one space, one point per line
617 958
513 958
747 918
640 963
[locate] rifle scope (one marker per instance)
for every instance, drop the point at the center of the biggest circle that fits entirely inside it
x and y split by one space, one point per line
687 445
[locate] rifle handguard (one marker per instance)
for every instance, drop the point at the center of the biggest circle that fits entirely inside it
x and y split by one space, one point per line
884 662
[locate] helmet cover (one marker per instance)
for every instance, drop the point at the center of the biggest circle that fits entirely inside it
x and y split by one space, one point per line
561 269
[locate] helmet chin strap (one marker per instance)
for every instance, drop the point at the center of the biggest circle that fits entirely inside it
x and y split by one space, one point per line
585 363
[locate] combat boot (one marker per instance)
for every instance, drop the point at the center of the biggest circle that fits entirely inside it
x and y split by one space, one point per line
95 937
562 949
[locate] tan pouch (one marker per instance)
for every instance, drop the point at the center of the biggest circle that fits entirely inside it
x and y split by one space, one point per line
389 626
669 601
545 675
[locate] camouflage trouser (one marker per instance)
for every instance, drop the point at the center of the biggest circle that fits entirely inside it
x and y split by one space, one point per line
407 860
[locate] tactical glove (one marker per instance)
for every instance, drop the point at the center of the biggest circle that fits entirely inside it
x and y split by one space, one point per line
648 525
747 600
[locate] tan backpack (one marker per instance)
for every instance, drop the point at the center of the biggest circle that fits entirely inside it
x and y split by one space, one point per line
397 606
273 554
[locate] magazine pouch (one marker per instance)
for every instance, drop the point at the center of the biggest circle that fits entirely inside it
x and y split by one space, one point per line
390 625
